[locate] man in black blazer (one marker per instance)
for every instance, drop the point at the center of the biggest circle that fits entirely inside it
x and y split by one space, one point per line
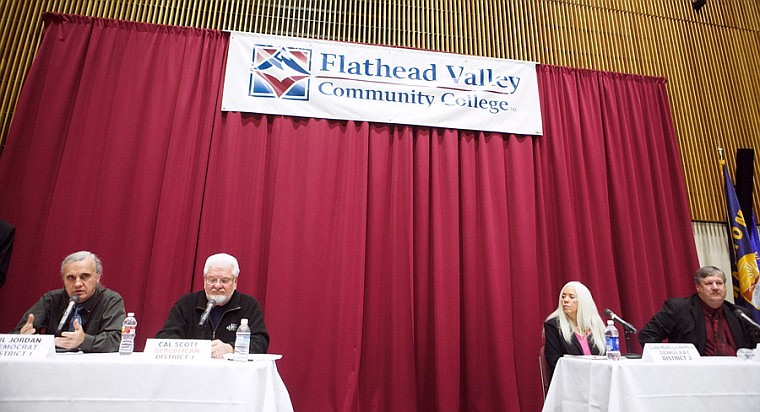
704 319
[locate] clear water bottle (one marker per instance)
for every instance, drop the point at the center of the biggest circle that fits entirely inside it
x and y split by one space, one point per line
128 331
242 341
612 338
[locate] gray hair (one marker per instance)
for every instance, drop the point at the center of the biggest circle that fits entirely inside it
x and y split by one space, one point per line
80 256
708 271
222 260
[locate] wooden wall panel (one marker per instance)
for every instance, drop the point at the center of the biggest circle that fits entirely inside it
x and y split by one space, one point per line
710 58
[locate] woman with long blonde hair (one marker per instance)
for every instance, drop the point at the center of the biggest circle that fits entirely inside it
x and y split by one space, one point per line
575 327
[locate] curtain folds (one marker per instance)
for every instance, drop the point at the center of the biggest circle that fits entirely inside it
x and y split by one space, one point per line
400 268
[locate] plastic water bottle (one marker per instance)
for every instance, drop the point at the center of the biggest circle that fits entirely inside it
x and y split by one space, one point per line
612 338
242 341
128 331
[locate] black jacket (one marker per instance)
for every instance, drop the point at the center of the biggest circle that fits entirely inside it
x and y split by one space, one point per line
7 235
183 319
681 320
556 347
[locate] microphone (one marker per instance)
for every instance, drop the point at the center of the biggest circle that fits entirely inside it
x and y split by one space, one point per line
610 314
740 313
204 317
72 302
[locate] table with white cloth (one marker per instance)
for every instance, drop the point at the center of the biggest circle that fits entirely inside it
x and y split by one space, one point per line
707 384
136 382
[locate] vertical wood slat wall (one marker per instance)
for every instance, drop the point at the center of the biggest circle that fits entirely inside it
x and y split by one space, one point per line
710 58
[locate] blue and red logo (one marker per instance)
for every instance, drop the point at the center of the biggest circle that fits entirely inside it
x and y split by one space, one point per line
280 72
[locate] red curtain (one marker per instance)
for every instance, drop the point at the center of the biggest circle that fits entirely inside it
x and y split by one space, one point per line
400 268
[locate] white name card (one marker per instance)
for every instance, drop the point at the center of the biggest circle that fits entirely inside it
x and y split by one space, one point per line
178 349
26 346
669 352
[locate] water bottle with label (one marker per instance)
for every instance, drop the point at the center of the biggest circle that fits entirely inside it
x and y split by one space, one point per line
612 338
242 341
128 331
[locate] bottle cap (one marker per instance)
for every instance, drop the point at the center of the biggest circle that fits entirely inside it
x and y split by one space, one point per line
610 322
244 321
130 314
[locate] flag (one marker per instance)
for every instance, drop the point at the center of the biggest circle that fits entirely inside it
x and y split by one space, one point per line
744 249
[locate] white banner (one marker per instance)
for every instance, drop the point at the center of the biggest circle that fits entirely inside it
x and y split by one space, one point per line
333 80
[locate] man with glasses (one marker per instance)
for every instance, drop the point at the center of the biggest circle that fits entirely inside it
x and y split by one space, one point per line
227 307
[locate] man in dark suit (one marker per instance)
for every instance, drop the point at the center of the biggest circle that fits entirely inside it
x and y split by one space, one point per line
705 319
7 234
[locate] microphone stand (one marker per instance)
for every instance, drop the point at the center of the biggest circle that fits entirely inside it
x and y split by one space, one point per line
627 334
628 330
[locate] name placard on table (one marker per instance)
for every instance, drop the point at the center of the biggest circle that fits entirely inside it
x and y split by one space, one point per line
669 352
178 349
14 346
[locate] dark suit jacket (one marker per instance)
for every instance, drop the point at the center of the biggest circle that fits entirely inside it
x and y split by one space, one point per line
7 234
681 320
556 347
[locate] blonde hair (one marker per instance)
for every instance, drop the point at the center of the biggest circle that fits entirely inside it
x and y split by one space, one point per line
587 319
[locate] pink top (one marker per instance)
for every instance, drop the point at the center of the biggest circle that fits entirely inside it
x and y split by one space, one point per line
584 343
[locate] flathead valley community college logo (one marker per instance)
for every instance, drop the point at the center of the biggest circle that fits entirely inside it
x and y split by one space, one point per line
280 72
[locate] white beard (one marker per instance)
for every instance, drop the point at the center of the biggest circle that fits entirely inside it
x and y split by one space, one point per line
220 299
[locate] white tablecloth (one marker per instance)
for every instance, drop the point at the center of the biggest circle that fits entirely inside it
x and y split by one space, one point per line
709 384
113 382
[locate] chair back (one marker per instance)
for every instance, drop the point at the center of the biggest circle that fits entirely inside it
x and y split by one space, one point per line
544 368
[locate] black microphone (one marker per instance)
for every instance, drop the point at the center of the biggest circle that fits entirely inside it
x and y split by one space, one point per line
610 314
740 313
204 317
72 302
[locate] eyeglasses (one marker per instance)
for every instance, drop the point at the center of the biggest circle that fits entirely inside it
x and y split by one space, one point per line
223 281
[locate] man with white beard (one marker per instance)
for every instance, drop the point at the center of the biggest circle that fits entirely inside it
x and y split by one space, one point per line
215 312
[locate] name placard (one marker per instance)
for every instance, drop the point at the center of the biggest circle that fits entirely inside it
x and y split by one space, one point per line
178 349
26 346
669 352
